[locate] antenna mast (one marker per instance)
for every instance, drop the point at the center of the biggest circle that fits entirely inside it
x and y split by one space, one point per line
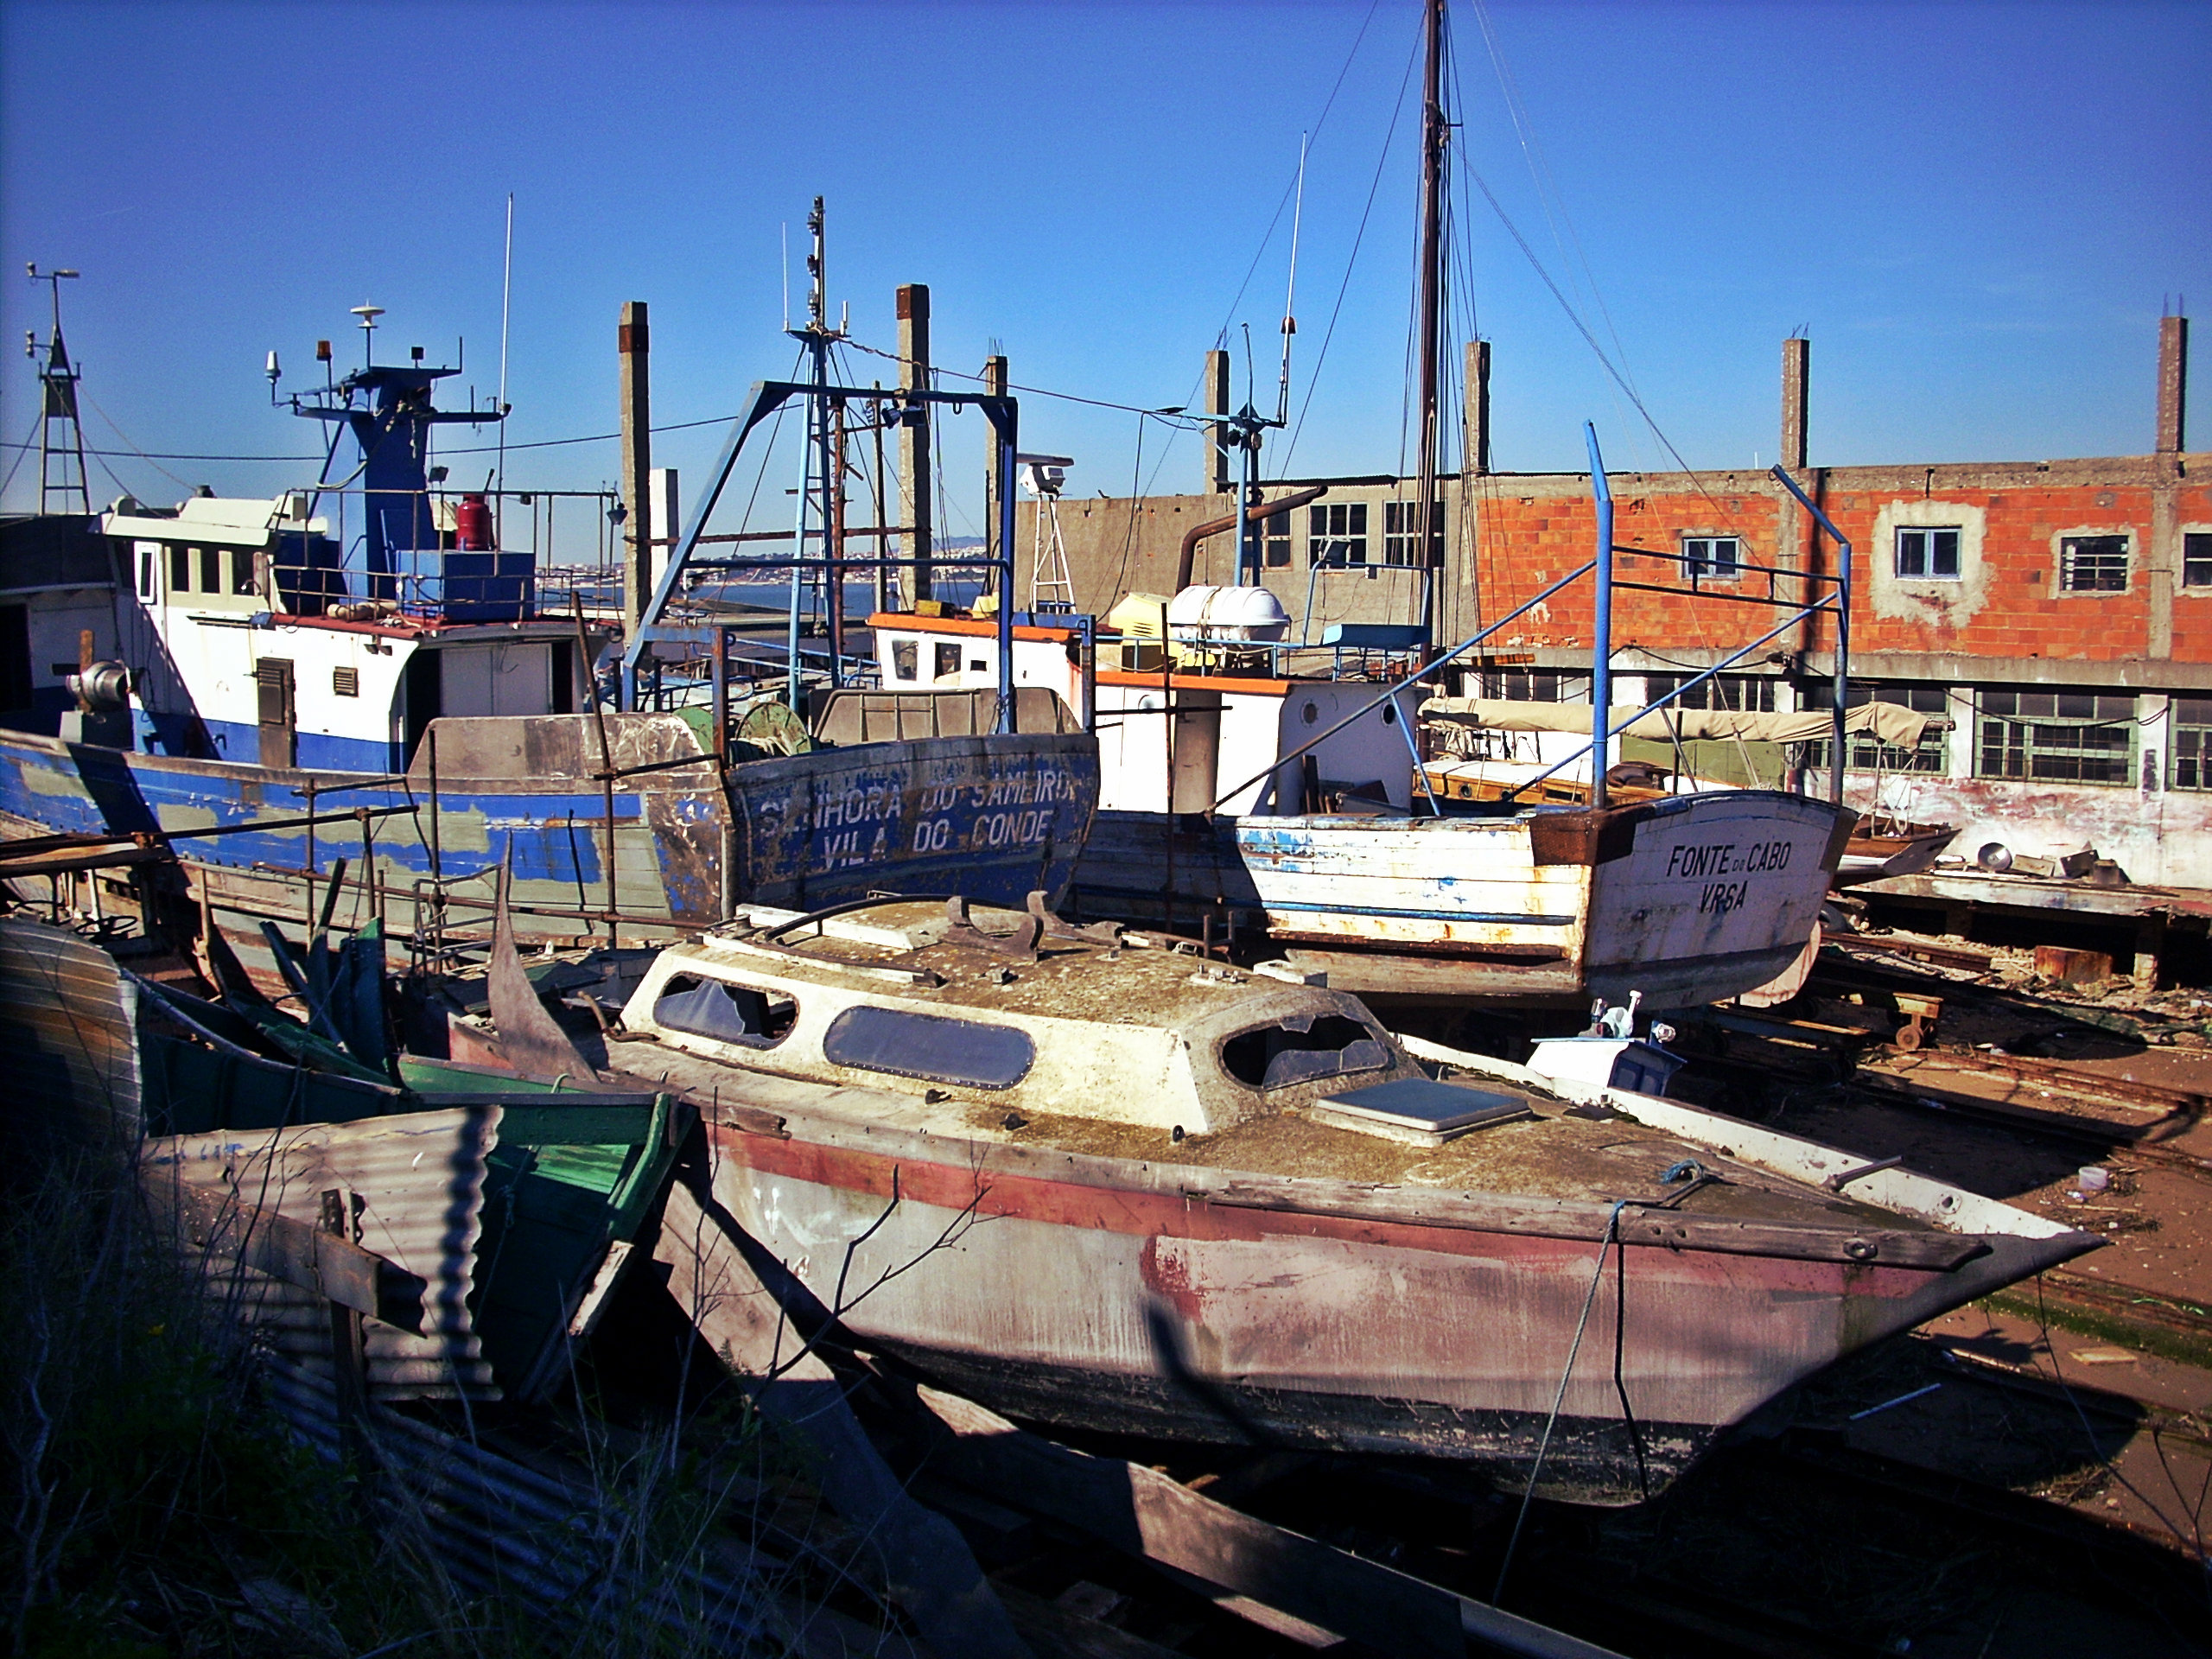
1290 291
1435 143
824 469
60 461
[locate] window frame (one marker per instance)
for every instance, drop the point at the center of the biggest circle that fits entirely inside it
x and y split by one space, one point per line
1927 554
1865 753
1402 536
2010 726
2072 548
1703 568
1761 688
2197 552
2189 743
1331 547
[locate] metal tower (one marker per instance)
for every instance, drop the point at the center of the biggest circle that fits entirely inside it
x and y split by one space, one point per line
61 483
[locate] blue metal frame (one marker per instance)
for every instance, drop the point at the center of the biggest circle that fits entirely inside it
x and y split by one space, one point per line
769 395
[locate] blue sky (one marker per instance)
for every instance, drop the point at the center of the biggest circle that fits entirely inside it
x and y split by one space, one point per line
1977 210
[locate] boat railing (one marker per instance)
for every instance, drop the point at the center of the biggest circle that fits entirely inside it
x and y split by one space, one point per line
1832 591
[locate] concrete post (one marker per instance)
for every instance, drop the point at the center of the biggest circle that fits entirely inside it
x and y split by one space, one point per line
995 383
2173 385
1475 461
1796 365
1221 468
914 498
635 547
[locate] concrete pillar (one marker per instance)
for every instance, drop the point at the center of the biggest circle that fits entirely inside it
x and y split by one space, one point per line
1221 469
995 383
914 496
1476 393
636 547
1796 364
2173 385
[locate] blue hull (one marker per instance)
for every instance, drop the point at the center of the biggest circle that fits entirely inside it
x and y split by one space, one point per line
994 818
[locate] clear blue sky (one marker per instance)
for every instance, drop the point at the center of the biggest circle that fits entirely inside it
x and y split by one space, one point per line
1977 210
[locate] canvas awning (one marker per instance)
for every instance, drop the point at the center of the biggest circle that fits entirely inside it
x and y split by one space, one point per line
1899 728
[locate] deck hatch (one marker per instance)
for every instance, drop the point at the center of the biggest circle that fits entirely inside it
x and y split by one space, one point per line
902 1043
1417 1109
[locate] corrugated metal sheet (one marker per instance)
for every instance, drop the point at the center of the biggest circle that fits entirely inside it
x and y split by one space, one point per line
69 1024
416 1182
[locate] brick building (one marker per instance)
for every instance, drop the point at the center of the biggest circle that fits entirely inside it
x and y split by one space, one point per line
2058 613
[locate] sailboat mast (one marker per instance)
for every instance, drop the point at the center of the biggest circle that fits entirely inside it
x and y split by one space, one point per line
1434 138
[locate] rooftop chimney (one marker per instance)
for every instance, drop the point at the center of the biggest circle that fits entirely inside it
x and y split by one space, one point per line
2173 385
1796 362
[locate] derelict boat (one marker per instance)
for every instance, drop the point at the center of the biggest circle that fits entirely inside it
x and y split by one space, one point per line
1104 1184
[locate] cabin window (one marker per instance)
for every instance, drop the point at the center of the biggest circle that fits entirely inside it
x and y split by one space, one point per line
1713 558
242 570
2070 737
2196 561
210 569
145 571
1336 534
2093 564
2191 741
1927 554
180 568
726 1013
967 1053
948 660
906 659
1302 1049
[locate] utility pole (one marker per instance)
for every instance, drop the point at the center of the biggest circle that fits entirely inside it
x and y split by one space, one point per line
914 494
634 543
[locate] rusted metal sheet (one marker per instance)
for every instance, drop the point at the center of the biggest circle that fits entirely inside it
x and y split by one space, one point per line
414 1187
69 1018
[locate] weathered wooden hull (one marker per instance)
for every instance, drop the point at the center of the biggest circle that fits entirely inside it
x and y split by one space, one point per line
1688 899
1189 1303
994 817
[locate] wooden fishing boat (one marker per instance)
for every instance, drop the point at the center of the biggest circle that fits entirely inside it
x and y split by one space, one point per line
1098 1179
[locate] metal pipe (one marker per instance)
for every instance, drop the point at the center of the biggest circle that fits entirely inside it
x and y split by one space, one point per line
1007 426
1187 557
1601 654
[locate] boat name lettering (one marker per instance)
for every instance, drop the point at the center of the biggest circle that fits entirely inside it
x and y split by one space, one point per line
1012 829
933 834
1721 897
856 806
1026 789
1720 858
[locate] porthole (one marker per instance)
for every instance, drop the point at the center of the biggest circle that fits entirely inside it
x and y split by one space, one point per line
1311 713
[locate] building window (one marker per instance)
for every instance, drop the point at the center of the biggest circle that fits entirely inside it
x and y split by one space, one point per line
1929 555
2196 561
180 568
1402 537
906 659
1713 558
1336 534
1534 685
1279 537
210 569
1737 692
2066 737
2191 741
1868 754
2093 564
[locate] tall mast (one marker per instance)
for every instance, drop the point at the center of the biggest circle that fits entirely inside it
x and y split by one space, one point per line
62 486
1435 139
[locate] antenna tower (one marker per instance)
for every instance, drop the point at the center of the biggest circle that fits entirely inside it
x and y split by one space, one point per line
62 486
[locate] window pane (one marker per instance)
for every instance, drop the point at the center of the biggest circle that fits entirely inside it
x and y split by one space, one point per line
1943 553
1912 552
2196 561
210 569
902 1045
180 570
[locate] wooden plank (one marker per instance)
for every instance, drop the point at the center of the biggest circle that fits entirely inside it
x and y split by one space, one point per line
1144 1514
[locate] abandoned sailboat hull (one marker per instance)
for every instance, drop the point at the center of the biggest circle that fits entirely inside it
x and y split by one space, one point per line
1132 1297
1687 898
995 816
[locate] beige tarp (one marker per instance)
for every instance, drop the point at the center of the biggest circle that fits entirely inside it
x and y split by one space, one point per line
1899 728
